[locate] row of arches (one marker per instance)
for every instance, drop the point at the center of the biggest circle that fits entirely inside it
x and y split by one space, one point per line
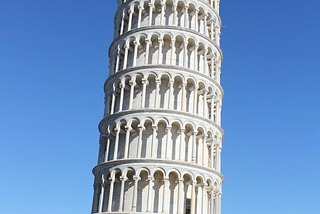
213 3
161 90
155 191
166 49
149 139
168 13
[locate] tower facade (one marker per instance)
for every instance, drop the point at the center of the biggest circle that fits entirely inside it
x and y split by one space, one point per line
161 140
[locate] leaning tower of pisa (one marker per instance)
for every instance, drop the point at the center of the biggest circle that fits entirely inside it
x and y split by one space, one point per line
161 140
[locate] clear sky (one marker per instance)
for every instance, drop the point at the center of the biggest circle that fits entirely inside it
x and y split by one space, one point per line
53 64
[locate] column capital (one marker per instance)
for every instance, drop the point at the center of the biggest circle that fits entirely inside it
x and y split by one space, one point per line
166 179
123 178
128 128
140 7
150 178
136 178
116 130
140 127
131 82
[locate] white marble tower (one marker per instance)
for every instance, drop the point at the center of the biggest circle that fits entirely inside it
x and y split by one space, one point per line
161 140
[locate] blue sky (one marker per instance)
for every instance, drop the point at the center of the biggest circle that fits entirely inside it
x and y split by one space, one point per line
53 64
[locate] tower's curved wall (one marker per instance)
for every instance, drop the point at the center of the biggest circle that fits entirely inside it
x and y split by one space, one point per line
161 140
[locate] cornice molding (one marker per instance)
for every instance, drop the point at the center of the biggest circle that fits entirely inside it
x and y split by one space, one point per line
161 67
158 111
160 162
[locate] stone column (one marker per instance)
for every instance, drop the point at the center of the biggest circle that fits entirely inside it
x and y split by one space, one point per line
183 103
130 11
173 50
204 148
194 145
196 57
205 105
113 101
174 8
196 19
212 202
195 99
171 95
158 82
203 198
110 194
212 30
186 16
121 86
219 203
140 14
144 91
132 84
106 156
126 147
154 141
147 51
149 203
140 140
125 58
182 141
205 63
166 146
135 193
117 61
217 71
218 110
185 55
162 13
101 200
160 50
122 23
150 13
123 179
212 156
181 197
216 205
205 24
216 36
135 53
218 157
193 198
116 143
165 197
212 67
